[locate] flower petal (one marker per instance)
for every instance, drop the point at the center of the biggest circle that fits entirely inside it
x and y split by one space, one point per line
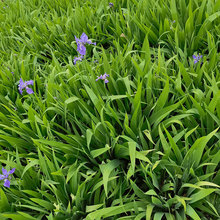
74 60
30 82
21 82
29 90
2 177
4 171
77 39
11 171
90 42
99 77
20 90
81 49
106 81
7 183
84 38
194 56
106 75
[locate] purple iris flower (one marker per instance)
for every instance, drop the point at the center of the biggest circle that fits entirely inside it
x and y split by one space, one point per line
24 85
111 4
103 77
77 59
81 43
196 58
6 176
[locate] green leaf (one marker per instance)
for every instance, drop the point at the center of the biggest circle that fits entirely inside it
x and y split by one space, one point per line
98 102
110 211
16 217
92 208
132 153
98 152
43 203
163 97
31 164
4 204
175 148
148 134
158 216
203 193
149 211
192 213
106 170
193 156
71 99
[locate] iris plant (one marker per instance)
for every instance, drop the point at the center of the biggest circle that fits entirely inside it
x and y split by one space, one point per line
24 85
196 58
103 77
5 176
111 4
81 48
81 43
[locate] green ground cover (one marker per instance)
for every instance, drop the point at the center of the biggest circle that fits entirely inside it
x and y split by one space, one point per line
145 144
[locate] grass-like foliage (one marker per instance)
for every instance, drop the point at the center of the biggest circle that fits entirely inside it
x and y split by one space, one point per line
128 129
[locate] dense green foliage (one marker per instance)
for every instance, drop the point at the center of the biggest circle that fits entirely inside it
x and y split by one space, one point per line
146 145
